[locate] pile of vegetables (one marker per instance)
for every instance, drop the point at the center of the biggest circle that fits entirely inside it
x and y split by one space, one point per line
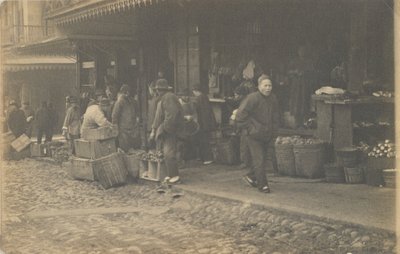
383 149
156 156
297 140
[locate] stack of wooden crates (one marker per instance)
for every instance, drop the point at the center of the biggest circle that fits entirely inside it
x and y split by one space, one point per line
97 158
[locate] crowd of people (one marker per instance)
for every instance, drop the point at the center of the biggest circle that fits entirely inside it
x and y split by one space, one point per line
256 119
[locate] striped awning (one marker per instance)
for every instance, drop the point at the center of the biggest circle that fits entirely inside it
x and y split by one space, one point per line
30 63
90 9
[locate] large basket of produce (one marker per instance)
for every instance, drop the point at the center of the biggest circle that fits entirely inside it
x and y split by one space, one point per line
389 176
354 174
347 156
379 157
309 157
334 173
285 156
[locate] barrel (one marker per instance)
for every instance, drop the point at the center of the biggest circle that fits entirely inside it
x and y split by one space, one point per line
309 159
285 159
389 176
354 175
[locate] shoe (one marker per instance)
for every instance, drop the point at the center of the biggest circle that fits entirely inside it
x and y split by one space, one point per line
249 181
207 162
174 180
166 179
265 189
176 193
161 189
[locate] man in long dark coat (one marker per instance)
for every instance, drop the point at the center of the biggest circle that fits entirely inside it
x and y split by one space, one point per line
16 119
167 125
258 117
124 115
42 122
207 123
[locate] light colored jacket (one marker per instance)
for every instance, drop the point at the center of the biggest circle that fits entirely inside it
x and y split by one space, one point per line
94 117
72 121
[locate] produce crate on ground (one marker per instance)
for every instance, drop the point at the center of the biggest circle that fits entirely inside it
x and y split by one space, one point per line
40 150
101 133
354 175
285 156
110 170
309 159
25 153
334 173
132 161
389 176
93 149
226 151
82 169
21 143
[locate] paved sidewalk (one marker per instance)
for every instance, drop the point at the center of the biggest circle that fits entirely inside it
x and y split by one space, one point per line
360 204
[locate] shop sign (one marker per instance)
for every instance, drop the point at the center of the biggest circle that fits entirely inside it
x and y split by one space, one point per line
88 65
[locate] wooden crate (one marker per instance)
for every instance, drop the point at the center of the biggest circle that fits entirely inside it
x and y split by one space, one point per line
94 149
40 150
156 171
21 143
101 133
25 153
82 169
110 170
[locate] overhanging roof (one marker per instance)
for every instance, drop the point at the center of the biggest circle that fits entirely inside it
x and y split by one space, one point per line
30 63
95 8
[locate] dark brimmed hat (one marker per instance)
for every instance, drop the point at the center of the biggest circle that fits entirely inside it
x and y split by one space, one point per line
104 102
162 84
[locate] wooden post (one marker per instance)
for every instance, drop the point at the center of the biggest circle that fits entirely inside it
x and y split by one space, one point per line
357 57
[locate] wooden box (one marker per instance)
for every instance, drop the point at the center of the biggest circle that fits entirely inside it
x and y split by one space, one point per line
39 150
94 149
110 170
156 171
21 143
25 153
82 169
101 133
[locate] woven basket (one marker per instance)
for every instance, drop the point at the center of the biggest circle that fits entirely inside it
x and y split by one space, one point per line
389 176
309 159
285 159
347 156
110 170
354 175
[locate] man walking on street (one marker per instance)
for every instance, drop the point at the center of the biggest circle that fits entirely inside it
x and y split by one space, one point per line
42 122
258 117
168 123
124 115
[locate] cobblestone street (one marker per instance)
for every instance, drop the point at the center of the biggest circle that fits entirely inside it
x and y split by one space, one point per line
45 211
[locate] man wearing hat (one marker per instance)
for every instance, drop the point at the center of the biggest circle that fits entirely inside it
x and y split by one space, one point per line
207 123
16 119
42 118
124 115
168 123
258 117
95 115
72 121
